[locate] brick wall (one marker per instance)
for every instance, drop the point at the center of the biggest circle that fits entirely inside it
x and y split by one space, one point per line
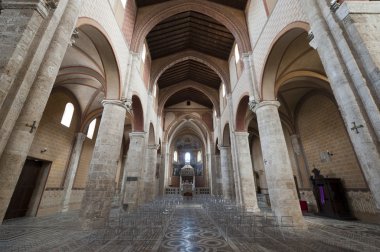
57 138
129 20
321 128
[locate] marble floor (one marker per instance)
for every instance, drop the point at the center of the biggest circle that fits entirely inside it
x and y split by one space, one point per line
186 226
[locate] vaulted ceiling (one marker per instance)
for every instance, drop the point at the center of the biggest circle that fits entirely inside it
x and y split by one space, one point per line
238 4
197 32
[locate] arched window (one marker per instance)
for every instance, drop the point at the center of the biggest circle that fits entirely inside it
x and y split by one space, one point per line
199 156
124 2
237 53
223 90
91 129
175 156
187 157
68 114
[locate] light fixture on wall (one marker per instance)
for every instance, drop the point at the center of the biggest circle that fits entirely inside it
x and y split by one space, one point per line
44 150
326 156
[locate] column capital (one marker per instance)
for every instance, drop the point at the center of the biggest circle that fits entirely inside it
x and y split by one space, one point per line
81 136
153 146
120 103
223 147
241 133
137 134
265 104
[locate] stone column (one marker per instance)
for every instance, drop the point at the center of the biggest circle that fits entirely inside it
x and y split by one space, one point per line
226 170
218 190
100 187
28 47
247 181
133 168
72 170
279 173
148 180
303 171
21 138
364 139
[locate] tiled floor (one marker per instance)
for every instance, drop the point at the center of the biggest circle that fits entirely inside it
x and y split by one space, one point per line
187 227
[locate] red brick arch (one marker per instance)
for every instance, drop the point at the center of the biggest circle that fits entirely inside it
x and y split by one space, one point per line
217 65
138 114
170 91
240 114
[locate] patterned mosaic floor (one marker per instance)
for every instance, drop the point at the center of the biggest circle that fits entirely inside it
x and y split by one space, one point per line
188 228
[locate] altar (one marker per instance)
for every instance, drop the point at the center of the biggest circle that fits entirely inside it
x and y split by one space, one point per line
187 180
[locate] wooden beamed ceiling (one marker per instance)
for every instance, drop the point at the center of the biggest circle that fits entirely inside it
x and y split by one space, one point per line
189 69
238 4
189 94
190 30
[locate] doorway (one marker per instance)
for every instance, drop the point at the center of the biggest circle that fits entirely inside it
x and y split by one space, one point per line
28 192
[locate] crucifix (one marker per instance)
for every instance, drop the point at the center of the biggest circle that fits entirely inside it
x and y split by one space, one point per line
32 127
356 127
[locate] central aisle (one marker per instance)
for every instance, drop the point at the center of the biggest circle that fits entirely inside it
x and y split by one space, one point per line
190 229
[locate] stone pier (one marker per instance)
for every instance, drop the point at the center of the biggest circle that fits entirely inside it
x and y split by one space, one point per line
21 138
226 171
364 141
100 187
72 170
278 170
148 185
133 168
247 181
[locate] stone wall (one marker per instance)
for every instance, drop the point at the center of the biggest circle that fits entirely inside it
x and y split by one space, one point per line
56 138
84 163
321 129
366 18
51 202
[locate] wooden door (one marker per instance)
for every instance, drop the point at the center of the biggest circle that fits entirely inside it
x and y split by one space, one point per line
25 187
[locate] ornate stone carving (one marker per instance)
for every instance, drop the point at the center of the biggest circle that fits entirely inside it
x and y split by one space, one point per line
52 4
252 103
128 104
74 37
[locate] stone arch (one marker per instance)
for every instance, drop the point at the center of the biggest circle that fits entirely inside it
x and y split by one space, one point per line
177 125
101 40
226 135
273 59
148 20
88 119
151 136
241 114
209 61
138 114
217 151
164 97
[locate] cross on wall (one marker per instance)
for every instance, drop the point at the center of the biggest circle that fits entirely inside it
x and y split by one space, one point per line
356 127
32 126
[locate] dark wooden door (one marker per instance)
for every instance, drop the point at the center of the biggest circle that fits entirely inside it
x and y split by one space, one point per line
24 189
